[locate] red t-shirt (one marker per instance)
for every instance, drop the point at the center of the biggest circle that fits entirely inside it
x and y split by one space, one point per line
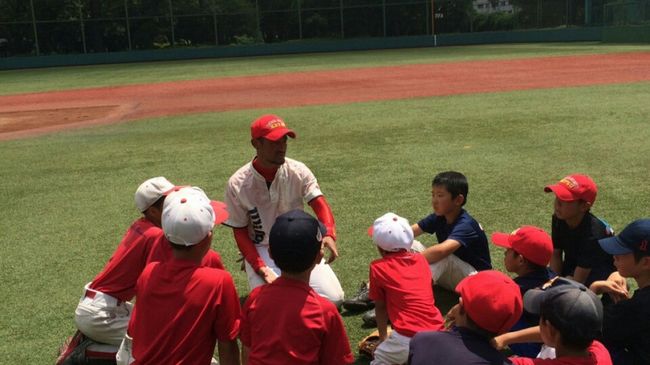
143 243
286 322
182 310
599 356
120 274
403 281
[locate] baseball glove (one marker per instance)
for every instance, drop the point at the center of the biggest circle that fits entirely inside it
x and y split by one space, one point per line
368 344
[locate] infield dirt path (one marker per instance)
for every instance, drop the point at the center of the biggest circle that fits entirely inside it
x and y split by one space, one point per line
28 114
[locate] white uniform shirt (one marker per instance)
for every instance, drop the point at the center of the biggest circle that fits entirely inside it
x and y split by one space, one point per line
254 205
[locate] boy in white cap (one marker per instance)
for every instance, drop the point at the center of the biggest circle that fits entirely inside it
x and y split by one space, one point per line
401 287
104 310
184 308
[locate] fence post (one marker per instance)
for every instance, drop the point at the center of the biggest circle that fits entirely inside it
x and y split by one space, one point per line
83 29
341 15
128 27
38 51
383 14
259 20
299 19
171 22
214 22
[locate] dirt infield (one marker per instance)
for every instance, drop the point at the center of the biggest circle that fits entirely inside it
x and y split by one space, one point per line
30 114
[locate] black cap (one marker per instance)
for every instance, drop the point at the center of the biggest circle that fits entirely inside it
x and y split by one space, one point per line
570 307
295 240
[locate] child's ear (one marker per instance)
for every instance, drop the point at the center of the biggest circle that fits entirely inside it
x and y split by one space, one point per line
585 206
645 262
320 255
459 199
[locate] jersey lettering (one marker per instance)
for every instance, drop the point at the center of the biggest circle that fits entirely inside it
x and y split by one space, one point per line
258 228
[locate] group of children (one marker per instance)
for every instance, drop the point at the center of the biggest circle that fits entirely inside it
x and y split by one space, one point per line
542 317
187 303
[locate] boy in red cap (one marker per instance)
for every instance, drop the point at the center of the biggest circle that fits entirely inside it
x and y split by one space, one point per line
184 309
286 321
266 187
576 232
528 253
626 325
490 303
400 286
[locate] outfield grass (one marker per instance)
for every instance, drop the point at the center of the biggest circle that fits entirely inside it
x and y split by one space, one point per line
67 198
48 79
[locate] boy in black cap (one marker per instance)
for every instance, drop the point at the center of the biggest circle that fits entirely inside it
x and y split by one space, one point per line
571 318
286 321
626 325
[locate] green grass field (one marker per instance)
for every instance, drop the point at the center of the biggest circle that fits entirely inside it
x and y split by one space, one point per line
67 198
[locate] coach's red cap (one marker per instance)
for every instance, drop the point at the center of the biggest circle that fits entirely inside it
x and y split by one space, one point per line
533 243
574 187
492 300
270 127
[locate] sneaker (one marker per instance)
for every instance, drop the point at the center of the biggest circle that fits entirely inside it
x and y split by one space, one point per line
360 302
369 318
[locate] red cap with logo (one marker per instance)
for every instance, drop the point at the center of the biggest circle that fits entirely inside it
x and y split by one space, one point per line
492 300
574 187
271 127
533 243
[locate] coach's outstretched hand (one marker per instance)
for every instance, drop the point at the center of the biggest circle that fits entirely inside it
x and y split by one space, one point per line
331 245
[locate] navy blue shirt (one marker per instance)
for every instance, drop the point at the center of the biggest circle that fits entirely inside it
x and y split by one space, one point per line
454 347
581 248
473 248
626 329
526 282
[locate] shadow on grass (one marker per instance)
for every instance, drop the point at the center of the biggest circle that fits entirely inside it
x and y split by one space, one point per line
445 299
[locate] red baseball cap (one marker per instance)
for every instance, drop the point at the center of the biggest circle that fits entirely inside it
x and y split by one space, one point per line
271 127
533 243
492 300
574 187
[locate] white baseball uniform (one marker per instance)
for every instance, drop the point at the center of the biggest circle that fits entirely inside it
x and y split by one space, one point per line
253 204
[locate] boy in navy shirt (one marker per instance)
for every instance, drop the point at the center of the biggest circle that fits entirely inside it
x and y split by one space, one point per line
463 247
576 232
528 253
626 325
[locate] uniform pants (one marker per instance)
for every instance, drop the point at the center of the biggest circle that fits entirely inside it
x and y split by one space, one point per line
103 318
323 279
449 271
394 350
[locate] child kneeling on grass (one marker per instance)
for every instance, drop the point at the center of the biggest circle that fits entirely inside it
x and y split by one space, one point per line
400 285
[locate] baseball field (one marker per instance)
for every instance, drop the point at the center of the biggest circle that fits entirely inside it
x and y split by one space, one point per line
374 127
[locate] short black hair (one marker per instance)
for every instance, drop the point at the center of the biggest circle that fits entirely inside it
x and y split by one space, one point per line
478 329
294 260
159 203
454 182
638 255
178 247
572 336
